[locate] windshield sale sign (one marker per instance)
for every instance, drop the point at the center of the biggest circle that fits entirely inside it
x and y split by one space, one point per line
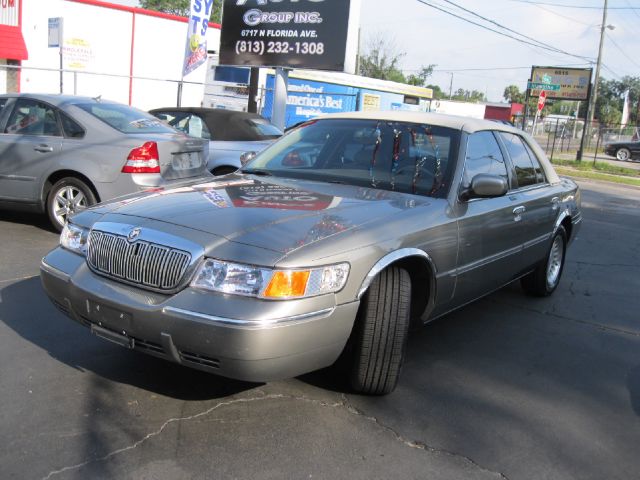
295 33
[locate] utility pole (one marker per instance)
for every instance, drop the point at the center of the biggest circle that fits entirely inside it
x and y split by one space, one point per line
594 94
451 86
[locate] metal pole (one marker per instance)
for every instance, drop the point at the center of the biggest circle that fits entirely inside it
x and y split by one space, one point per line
594 95
451 86
61 42
254 78
278 117
555 134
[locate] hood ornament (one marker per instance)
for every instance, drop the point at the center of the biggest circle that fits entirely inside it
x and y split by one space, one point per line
134 234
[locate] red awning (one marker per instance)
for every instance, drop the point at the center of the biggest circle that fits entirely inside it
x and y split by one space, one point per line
12 45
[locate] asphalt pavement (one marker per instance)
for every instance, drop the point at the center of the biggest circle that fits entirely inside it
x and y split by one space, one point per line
509 387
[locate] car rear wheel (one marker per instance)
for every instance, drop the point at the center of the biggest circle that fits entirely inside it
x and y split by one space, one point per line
67 196
381 333
623 154
546 277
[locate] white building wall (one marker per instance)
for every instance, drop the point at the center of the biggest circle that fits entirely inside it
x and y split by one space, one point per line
464 109
98 43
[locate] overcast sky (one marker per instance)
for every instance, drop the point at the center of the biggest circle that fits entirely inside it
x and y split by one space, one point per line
429 36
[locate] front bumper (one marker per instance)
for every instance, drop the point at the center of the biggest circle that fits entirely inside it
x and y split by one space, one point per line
237 337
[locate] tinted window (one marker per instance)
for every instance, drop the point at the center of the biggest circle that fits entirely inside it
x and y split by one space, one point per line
186 122
70 127
30 117
264 130
405 157
540 177
483 156
525 173
125 119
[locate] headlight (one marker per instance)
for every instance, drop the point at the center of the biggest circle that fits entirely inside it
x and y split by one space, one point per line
262 282
74 238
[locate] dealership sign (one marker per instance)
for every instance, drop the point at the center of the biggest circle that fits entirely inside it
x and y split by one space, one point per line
317 34
561 83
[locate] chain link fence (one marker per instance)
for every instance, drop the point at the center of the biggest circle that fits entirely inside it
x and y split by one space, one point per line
561 136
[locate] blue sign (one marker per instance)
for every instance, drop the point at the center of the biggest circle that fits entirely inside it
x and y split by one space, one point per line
307 99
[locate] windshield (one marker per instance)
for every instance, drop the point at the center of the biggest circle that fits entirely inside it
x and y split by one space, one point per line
397 156
125 119
263 129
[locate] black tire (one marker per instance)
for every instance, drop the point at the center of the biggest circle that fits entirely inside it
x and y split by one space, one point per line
380 334
623 154
223 170
545 278
67 196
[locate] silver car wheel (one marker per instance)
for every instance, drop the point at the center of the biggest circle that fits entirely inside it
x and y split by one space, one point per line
67 201
623 154
66 197
554 264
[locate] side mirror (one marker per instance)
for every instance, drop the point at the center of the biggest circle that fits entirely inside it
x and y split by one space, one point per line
485 185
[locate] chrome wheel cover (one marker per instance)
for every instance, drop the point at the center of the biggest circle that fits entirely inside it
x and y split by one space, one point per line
554 263
622 154
67 201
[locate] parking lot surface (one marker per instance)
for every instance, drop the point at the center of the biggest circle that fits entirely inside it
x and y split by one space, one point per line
509 387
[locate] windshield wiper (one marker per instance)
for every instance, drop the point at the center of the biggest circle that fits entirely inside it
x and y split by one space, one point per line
252 171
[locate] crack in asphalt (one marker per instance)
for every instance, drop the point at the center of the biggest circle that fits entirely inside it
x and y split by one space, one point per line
415 443
617 265
345 404
552 313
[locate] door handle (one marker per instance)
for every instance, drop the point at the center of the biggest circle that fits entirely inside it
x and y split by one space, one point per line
43 148
518 211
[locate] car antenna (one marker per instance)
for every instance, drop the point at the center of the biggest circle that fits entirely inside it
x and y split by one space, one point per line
98 98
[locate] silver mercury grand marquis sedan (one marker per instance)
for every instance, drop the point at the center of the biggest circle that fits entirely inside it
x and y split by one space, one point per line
333 240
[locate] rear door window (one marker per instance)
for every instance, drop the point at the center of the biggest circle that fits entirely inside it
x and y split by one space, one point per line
124 118
31 117
526 174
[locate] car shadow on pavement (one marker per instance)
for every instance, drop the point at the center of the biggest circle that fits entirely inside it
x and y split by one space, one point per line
27 218
25 308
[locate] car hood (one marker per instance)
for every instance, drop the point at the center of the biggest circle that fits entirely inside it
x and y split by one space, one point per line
280 215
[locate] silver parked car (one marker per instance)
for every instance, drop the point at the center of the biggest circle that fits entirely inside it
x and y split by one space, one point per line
340 234
59 154
234 137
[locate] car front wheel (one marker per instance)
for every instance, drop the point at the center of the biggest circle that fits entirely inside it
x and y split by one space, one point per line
623 154
381 332
546 277
66 197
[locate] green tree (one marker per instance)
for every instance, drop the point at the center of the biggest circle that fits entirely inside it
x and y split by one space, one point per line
381 60
181 7
438 94
421 78
512 94
463 95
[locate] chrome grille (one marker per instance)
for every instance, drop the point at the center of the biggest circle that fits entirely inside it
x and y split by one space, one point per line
142 263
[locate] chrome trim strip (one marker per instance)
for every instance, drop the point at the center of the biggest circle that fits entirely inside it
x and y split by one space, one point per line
535 241
54 271
387 260
234 322
17 178
487 260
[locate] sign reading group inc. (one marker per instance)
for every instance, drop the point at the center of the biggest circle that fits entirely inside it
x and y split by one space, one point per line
288 33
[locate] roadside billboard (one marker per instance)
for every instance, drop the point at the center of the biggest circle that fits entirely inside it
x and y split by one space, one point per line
316 34
574 82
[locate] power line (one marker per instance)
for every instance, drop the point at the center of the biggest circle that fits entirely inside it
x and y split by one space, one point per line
574 6
622 51
536 45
